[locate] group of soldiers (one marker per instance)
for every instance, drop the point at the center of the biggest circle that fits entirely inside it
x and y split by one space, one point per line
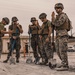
15 29
41 41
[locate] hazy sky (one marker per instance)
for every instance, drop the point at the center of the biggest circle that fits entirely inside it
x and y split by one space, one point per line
25 9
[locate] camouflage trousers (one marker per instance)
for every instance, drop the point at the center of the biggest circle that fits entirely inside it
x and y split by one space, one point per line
45 48
34 45
61 48
1 45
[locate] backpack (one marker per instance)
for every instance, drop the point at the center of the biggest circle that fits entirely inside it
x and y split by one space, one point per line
68 23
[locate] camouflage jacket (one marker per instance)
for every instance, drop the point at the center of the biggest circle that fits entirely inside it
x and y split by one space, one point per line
58 23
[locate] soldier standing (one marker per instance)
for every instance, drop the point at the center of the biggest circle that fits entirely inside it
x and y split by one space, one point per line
33 30
15 29
4 22
60 23
45 36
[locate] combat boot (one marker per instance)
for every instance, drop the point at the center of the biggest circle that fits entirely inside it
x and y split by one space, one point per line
5 61
62 68
17 60
44 62
36 61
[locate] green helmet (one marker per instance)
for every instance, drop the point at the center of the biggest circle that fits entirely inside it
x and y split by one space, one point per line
33 19
6 20
42 15
14 19
59 5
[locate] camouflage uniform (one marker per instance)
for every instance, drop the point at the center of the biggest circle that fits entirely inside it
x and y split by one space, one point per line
40 45
61 38
1 34
45 47
34 39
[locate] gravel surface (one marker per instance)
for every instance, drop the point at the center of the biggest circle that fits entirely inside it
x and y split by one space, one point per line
23 68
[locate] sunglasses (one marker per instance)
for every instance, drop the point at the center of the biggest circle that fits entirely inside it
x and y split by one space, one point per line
57 8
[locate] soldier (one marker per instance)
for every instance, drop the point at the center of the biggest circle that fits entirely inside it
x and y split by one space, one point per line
60 23
45 36
33 30
15 29
3 23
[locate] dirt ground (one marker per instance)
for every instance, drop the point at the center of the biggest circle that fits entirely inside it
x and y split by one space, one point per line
31 69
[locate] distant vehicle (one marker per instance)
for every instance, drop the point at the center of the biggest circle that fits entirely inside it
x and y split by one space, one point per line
71 48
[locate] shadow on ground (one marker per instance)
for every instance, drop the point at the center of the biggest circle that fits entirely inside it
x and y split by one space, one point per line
72 68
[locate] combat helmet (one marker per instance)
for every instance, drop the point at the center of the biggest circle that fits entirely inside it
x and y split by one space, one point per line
59 5
33 19
42 15
6 20
14 19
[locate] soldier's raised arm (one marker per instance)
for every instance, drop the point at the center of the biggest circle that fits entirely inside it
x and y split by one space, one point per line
61 20
20 28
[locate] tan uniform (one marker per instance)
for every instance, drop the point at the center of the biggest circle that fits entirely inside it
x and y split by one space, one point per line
45 47
61 37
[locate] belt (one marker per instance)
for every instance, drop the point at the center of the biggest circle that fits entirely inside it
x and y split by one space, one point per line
35 34
44 34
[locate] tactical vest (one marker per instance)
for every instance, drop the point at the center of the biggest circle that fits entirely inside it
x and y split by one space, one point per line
16 30
66 24
44 28
34 29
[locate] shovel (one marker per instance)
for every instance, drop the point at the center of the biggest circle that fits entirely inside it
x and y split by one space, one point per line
12 59
29 59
